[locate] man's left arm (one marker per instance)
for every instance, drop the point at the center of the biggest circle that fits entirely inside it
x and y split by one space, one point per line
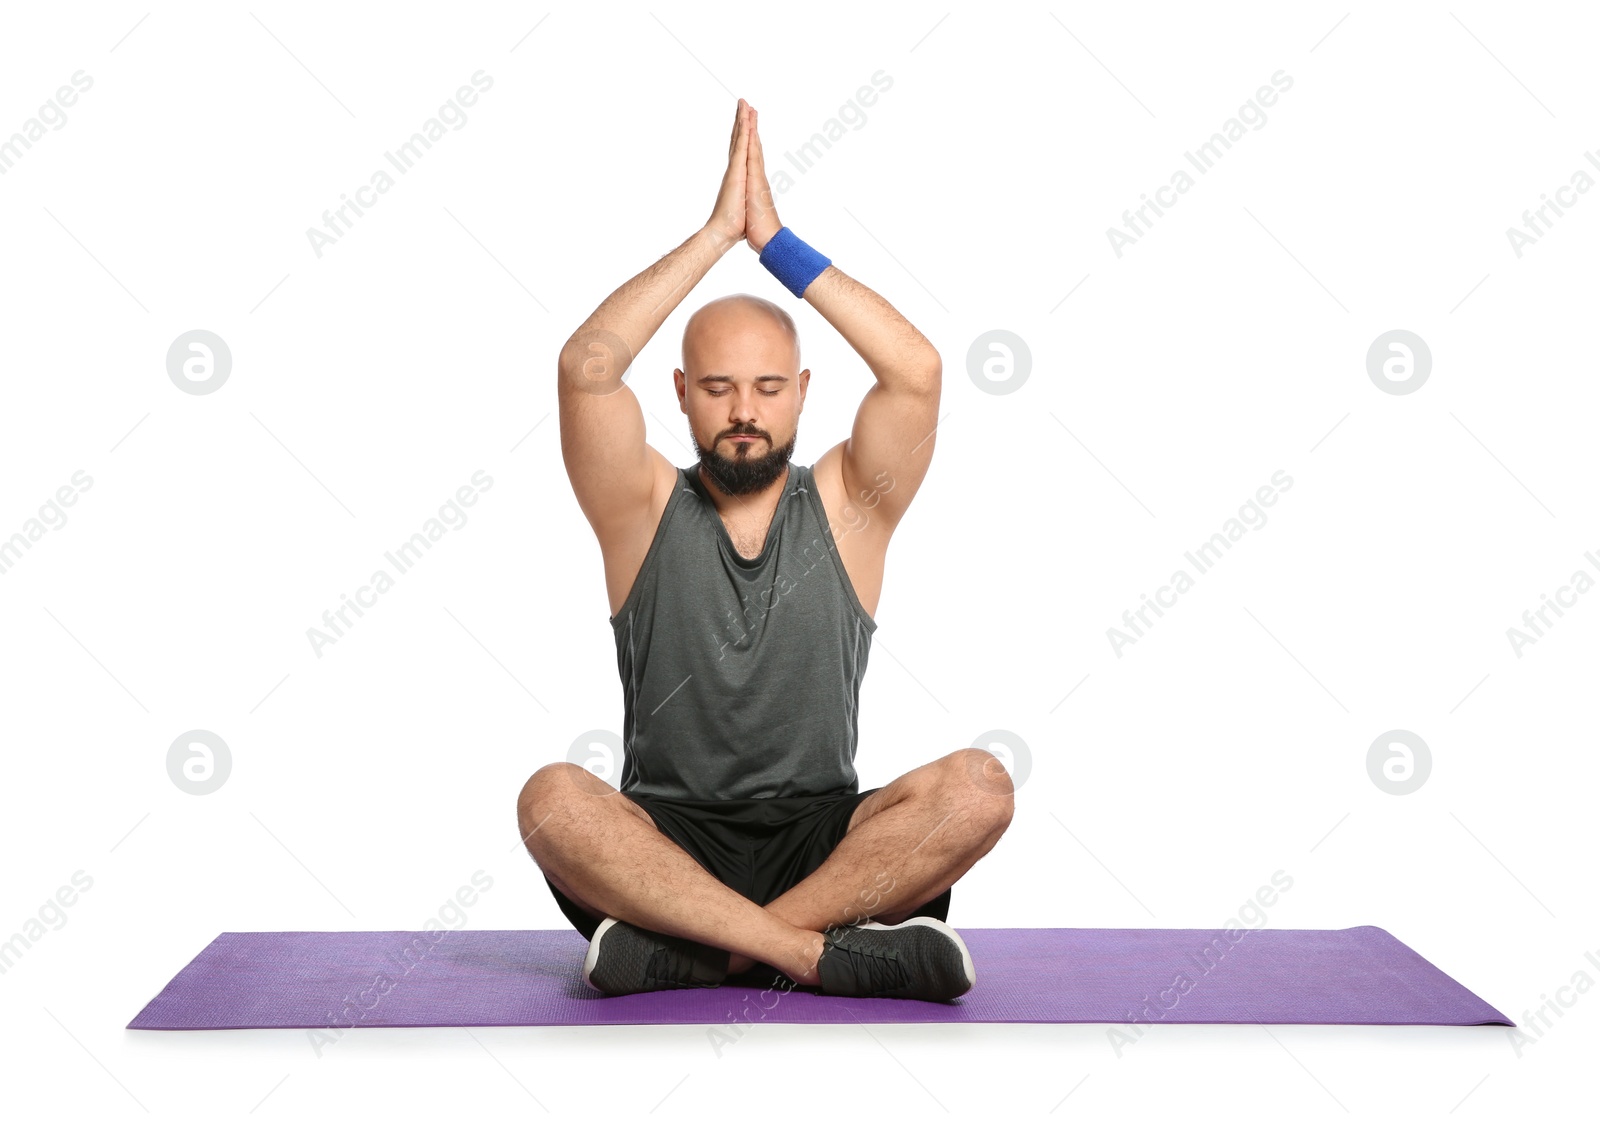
891 444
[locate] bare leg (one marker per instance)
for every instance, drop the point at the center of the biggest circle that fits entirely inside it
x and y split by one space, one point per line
604 851
906 843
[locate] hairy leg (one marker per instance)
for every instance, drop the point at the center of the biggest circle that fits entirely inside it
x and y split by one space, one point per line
605 853
905 844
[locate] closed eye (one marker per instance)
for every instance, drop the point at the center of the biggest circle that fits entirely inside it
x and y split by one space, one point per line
724 391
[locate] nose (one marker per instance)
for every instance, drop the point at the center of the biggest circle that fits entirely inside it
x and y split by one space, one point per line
744 418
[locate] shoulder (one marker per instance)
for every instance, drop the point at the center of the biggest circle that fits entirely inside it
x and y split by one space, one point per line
824 483
846 514
828 470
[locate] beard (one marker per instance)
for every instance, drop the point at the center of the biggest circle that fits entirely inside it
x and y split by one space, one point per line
745 473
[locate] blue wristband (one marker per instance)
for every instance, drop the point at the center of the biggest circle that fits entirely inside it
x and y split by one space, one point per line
792 262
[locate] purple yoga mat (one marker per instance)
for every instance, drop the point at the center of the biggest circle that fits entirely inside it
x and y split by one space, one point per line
342 979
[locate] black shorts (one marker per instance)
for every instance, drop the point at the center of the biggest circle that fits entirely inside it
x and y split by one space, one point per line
760 847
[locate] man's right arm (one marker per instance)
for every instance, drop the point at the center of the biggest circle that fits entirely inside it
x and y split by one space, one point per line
612 469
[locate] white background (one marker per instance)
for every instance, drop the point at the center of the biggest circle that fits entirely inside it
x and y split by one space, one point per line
369 384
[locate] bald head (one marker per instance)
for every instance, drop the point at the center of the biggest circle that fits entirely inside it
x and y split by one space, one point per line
742 389
740 324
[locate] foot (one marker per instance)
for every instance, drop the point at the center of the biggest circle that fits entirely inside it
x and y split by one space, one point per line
921 958
624 958
761 976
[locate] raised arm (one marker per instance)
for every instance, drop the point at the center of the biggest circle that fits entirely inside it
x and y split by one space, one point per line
890 446
611 467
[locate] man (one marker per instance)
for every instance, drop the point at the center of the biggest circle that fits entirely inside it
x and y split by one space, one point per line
737 844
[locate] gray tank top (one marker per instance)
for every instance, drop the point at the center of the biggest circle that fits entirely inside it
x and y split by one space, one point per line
740 677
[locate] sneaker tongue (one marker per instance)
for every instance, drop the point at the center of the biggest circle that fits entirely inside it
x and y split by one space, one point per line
693 963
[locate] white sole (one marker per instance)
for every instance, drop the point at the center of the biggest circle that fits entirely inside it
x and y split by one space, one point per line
924 921
593 955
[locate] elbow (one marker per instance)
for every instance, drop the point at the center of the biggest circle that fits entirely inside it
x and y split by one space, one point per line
593 349
594 361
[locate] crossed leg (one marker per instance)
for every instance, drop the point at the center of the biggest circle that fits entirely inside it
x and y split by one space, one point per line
905 844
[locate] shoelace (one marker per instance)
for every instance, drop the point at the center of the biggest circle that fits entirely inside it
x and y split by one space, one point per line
667 965
881 968
671 963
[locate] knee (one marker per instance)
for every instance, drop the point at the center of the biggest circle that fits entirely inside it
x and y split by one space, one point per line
545 792
983 785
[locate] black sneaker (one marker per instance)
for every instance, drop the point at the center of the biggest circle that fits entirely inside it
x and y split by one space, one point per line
921 958
624 958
